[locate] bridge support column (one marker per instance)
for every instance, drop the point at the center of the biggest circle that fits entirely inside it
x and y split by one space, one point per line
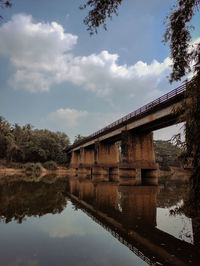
127 175
86 162
114 174
149 176
75 159
99 173
137 152
105 156
86 156
106 153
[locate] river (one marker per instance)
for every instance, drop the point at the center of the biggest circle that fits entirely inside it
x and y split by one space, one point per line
71 221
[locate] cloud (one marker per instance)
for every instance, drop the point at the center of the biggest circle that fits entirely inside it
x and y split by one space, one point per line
76 122
41 54
67 118
100 73
36 50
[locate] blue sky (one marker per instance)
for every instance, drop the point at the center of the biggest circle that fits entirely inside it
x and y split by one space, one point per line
55 76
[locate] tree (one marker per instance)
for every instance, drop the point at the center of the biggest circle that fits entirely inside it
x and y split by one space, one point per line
78 138
4 133
186 60
4 4
101 9
25 144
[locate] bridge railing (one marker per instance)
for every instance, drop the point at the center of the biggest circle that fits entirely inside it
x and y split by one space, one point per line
164 98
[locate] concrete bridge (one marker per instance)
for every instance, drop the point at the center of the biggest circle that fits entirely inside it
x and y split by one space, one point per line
124 149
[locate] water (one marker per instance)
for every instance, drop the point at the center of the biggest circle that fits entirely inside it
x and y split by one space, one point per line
67 221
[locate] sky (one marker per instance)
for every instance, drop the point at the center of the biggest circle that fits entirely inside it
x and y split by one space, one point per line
54 75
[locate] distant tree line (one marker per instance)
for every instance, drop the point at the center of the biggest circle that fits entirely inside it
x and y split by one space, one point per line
25 144
78 138
167 154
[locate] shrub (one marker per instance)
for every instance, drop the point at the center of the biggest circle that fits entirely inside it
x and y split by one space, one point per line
33 167
50 165
29 167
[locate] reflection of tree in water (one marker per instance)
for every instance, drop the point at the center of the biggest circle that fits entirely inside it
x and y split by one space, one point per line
171 194
19 199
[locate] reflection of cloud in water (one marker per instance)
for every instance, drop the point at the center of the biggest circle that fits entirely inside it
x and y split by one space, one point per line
69 223
66 229
179 225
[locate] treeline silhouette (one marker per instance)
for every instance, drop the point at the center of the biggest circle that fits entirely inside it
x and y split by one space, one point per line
26 144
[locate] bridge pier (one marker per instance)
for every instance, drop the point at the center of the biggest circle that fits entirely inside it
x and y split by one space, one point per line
127 175
74 163
87 156
99 173
137 152
149 176
105 156
106 153
75 159
114 174
82 161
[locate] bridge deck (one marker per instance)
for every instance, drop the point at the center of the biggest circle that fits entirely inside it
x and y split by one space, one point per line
167 99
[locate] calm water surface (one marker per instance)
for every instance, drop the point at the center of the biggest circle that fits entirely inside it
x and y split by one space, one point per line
67 221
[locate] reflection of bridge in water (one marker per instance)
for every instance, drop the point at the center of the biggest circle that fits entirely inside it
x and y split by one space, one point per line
125 147
129 214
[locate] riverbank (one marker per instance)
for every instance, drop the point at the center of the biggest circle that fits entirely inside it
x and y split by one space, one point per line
11 168
175 174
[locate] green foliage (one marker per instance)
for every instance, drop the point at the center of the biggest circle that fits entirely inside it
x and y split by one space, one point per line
178 34
166 154
78 138
50 165
33 168
25 144
100 10
192 134
186 59
5 3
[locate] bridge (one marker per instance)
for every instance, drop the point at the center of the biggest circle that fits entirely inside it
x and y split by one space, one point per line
125 148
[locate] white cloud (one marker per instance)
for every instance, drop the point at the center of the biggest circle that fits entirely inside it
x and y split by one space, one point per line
76 122
101 74
67 118
36 50
41 54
